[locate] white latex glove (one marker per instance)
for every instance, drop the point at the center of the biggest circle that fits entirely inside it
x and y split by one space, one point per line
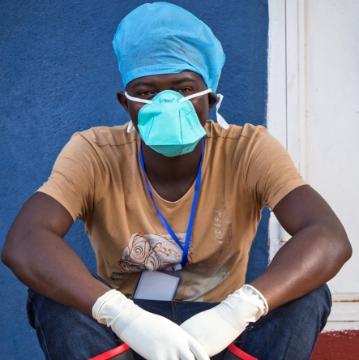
218 327
152 336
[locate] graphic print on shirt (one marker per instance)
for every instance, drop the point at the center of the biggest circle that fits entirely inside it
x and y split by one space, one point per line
151 252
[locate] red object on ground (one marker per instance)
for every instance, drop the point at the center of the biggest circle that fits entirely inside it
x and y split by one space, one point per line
334 345
240 353
124 347
111 353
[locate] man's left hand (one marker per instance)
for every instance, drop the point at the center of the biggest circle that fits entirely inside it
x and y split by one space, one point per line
218 327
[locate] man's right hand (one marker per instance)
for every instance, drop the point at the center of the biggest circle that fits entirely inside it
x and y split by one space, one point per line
152 336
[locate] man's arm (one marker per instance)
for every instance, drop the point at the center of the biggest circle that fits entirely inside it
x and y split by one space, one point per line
36 252
317 250
38 255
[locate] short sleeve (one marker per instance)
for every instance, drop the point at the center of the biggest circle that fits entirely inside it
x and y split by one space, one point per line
76 179
270 172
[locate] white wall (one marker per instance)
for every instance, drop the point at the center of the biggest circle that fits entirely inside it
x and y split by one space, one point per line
313 108
332 117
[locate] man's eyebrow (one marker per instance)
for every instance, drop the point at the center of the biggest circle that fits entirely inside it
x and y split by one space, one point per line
142 83
185 79
151 83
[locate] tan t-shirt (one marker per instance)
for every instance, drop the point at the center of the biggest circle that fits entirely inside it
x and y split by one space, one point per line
97 178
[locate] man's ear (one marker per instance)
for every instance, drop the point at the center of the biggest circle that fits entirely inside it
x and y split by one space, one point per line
212 100
122 100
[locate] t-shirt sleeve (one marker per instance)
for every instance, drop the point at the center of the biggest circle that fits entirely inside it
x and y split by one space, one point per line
271 173
76 178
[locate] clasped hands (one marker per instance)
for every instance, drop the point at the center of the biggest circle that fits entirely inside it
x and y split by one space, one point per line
205 334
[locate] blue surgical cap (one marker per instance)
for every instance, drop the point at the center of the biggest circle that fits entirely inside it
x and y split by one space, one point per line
162 38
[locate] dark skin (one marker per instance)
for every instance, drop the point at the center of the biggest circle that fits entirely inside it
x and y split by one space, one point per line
171 177
38 255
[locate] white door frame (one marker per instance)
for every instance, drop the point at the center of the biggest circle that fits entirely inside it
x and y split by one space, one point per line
286 90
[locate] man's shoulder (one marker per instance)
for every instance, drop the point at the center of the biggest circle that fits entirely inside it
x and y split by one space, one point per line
234 131
107 135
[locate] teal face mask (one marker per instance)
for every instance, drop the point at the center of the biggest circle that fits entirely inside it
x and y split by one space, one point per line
169 124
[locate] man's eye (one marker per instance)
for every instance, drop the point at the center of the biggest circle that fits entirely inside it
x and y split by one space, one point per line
185 90
146 94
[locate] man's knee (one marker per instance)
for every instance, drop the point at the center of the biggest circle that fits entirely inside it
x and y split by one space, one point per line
64 332
289 331
317 303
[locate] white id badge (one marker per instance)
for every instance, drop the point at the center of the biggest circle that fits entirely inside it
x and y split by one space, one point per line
157 285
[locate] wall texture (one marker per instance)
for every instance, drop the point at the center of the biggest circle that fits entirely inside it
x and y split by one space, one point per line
332 115
59 75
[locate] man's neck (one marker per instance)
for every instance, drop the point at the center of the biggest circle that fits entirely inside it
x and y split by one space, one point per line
171 176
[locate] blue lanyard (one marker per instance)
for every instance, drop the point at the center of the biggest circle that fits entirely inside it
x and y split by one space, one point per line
185 247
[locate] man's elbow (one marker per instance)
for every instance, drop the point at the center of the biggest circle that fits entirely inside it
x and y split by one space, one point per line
11 254
342 249
333 247
347 250
7 255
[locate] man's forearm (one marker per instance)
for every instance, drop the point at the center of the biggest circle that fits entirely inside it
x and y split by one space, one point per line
44 262
309 259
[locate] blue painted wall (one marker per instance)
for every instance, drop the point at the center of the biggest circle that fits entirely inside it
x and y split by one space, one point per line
59 75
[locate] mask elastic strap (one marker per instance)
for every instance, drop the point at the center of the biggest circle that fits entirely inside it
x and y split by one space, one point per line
189 97
136 99
220 119
130 126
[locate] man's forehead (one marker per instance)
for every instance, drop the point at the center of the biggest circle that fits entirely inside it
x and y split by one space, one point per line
161 79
